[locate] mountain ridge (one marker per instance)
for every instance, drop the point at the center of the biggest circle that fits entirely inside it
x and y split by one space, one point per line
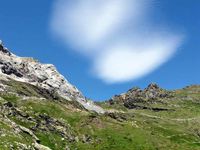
46 76
40 110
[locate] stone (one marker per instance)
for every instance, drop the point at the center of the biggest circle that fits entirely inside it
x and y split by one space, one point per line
40 147
8 104
86 138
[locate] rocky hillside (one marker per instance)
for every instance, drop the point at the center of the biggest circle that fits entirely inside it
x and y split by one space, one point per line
44 76
137 98
31 118
41 110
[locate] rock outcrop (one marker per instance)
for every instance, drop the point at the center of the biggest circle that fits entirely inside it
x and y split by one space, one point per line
153 93
44 76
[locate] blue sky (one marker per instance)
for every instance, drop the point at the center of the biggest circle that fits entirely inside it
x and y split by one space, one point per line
26 29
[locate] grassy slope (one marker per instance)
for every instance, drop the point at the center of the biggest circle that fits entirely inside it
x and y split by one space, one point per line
147 130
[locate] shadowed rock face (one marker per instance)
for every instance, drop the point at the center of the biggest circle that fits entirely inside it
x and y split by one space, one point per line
42 75
9 70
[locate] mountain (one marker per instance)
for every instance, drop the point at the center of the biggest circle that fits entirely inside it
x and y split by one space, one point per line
41 110
45 76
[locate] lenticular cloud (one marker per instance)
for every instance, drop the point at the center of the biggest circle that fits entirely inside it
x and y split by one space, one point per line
118 36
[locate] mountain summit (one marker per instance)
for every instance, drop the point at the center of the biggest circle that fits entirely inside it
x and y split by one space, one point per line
45 76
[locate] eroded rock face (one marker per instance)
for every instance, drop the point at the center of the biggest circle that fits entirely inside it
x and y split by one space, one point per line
42 75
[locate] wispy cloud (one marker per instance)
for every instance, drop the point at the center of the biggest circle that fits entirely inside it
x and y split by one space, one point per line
118 36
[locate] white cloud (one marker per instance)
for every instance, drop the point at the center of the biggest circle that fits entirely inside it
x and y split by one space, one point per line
90 23
124 62
117 35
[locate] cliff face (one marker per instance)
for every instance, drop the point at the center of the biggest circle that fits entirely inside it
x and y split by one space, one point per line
44 76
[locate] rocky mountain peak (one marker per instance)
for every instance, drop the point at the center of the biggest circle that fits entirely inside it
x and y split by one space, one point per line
45 76
152 86
136 95
4 49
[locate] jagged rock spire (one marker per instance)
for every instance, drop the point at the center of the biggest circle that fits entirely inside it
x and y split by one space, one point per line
152 86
